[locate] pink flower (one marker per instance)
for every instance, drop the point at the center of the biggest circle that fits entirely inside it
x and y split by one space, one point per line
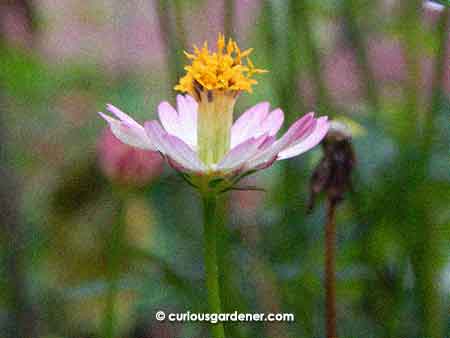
253 142
125 164
199 138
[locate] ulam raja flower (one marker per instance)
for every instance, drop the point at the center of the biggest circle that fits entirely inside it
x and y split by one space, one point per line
199 138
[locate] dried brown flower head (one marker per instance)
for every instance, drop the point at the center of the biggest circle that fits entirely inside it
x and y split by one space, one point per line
333 173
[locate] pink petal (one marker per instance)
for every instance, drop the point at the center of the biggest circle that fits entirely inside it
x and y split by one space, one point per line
273 122
183 151
187 110
256 123
299 129
267 143
175 165
156 135
127 130
187 117
311 141
173 147
169 118
182 124
245 126
237 156
121 115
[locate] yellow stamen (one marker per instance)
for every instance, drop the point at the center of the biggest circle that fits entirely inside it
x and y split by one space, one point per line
228 69
215 80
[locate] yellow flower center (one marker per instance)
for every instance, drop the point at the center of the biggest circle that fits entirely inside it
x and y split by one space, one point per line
227 69
215 80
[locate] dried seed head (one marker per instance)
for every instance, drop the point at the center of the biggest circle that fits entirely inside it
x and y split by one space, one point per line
333 173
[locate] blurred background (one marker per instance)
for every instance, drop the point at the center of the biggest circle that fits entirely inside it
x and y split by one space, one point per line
96 237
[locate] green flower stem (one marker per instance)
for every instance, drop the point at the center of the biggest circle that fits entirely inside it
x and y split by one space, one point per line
231 297
212 271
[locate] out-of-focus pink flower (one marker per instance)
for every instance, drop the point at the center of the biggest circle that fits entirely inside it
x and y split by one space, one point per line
126 164
386 59
342 76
